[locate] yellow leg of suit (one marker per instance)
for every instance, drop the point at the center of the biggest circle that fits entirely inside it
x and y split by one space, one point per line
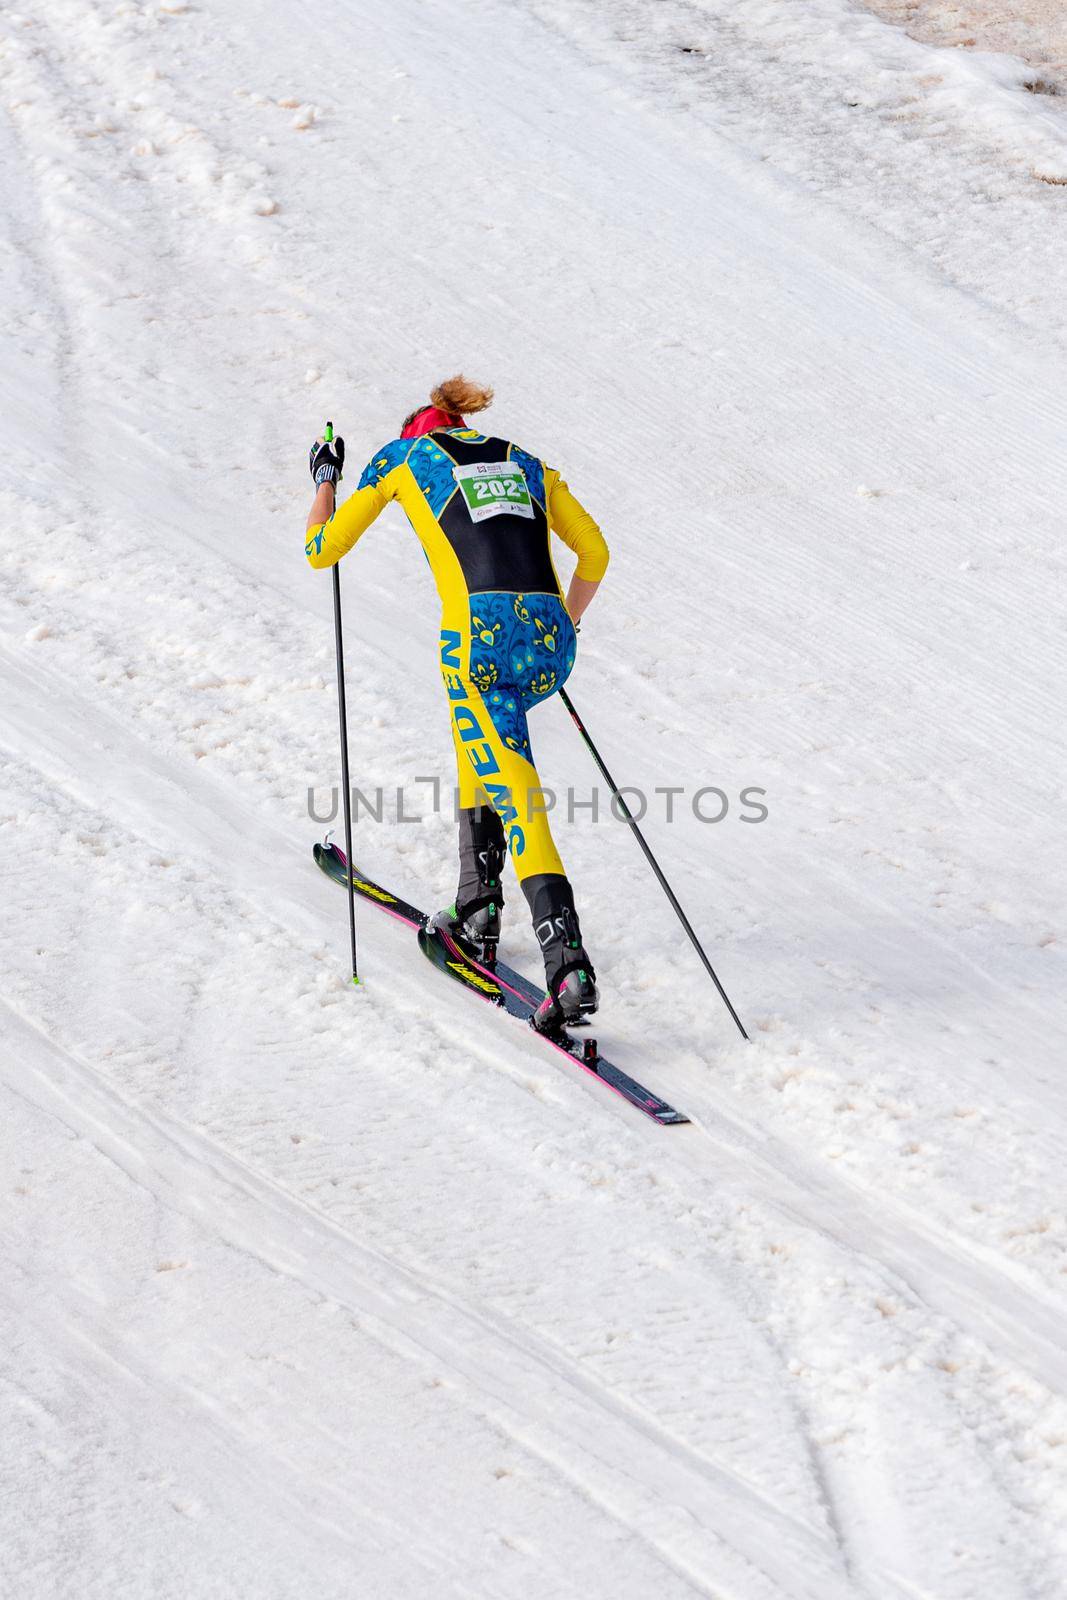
492 773
507 653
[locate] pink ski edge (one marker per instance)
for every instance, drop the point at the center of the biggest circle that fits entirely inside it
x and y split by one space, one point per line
487 972
397 916
649 1106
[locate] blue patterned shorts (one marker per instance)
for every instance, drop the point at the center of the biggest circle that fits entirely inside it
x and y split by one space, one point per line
522 650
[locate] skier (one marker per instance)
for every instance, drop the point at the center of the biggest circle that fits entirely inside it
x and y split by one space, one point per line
482 509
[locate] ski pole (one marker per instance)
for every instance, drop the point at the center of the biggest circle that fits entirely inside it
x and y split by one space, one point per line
346 785
650 858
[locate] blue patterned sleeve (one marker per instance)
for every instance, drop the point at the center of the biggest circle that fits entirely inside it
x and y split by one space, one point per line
534 471
383 461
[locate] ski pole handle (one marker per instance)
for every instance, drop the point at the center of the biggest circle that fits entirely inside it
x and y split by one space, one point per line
327 457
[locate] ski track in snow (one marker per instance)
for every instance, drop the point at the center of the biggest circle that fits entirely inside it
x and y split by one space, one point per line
315 1291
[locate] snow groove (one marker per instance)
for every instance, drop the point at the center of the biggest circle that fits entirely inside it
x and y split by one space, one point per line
628 1470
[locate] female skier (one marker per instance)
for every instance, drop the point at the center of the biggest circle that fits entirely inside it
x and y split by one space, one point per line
483 510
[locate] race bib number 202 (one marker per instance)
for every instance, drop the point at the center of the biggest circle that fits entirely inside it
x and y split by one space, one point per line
494 489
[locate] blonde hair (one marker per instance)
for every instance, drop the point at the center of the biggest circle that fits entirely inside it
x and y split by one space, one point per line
460 396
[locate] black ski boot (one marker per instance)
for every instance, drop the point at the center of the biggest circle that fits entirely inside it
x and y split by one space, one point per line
569 977
473 921
475 928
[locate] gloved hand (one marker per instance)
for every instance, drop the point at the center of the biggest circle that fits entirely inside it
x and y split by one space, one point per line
327 459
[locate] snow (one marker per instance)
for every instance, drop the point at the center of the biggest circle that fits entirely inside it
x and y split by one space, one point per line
315 1290
1037 31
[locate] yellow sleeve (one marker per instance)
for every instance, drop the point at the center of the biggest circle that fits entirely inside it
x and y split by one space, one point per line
328 542
569 518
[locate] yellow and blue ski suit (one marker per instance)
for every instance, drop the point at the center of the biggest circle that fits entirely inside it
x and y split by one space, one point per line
484 510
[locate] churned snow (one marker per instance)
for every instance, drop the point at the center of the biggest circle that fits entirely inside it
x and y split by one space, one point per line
310 1290
1036 30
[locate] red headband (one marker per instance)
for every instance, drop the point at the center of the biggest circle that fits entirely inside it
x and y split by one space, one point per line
429 418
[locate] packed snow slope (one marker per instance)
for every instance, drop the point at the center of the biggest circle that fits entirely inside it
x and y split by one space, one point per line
316 1291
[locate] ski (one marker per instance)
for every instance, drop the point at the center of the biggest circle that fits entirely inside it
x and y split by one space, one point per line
499 985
